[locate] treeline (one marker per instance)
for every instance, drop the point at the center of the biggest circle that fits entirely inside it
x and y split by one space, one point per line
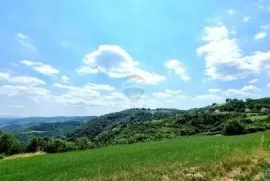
249 105
9 145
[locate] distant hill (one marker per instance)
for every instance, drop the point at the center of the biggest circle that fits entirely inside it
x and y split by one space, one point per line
37 120
26 128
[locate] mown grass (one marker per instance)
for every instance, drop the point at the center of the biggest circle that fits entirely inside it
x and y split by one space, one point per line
110 162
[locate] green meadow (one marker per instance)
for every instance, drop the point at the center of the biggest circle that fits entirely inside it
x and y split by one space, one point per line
194 156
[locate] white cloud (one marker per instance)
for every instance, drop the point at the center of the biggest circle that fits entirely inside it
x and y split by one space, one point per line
167 93
86 87
13 90
246 19
177 67
208 97
268 85
231 11
253 81
26 42
260 35
65 79
244 92
90 95
213 91
41 67
25 80
263 32
225 60
117 63
248 91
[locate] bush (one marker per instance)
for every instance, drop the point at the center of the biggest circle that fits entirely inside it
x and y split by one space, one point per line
233 127
83 143
2 156
255 129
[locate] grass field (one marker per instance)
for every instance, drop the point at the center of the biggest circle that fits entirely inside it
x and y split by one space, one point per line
163 160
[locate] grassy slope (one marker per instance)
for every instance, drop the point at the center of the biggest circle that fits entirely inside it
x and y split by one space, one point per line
193 151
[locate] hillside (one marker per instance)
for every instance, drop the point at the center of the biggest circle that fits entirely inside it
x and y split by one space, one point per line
139 125
233 158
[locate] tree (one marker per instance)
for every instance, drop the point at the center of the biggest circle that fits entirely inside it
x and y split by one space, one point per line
34 145
233 127
83 143
9 145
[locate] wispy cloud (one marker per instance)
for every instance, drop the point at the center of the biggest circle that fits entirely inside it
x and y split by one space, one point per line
41 67
263 32
26 42
21 80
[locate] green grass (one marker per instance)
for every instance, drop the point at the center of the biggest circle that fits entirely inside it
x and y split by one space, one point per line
192 151
258 117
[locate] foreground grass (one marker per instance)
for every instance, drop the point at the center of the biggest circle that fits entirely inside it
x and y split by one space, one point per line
164 160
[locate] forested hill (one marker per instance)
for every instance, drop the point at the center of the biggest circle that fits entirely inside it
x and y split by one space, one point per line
135 125
109 121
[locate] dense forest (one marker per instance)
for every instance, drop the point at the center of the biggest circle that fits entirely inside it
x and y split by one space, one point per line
139 125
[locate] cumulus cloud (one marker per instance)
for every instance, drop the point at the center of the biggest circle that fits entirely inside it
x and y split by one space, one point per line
254 81
26 42
25 80
41 67
177 67
224 59
117 63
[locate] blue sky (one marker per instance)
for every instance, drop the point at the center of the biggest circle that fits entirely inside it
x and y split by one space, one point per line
81 57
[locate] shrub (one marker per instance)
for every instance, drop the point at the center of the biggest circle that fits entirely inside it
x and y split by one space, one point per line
233 127
83 143
2 156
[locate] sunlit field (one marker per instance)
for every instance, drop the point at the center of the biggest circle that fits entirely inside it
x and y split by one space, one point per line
184 158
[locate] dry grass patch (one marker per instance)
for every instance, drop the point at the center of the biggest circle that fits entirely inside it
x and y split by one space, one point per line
239 166
24 155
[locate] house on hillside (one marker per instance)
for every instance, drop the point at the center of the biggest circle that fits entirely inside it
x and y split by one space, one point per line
265 110
247 110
